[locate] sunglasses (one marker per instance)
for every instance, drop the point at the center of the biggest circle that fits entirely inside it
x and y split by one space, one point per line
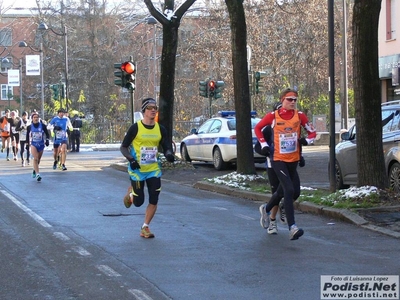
291 99
151 107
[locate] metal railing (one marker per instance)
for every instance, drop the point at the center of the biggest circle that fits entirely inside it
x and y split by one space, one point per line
101 133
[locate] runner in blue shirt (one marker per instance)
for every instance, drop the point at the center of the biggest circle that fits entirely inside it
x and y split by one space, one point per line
60 125
37 136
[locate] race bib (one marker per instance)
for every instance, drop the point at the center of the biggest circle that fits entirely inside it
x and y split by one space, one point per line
148 155
60 134
287 143
37 137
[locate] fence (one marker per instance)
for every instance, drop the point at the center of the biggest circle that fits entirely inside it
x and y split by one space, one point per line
100 133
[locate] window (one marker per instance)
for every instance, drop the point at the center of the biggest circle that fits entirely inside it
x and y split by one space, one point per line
5 37
6 66
6 91
390 20
216 126
204 128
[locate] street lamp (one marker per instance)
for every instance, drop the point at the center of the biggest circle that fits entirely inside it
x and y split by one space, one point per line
42 27
24 44
153 21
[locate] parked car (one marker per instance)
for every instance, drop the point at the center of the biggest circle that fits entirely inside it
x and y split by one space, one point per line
346 156
215 141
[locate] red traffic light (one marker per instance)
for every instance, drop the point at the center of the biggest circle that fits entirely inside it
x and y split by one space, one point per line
128 67
211 85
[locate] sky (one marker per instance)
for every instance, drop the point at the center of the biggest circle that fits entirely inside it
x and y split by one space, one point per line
18 3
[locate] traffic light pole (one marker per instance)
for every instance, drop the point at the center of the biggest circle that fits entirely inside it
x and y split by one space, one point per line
132 108
210 100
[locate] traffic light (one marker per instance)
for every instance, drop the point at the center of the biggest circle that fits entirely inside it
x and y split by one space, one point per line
62 90
259 85
219 87
118 74
211 88
203 89
55 90
129 73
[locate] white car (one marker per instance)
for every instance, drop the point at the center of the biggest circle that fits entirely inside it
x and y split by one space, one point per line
215 141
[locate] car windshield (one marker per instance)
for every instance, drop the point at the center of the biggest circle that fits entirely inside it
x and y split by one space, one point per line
232 123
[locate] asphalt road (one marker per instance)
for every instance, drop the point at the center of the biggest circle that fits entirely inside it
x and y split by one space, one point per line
70 237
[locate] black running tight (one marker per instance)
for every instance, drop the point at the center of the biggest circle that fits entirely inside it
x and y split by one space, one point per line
289 181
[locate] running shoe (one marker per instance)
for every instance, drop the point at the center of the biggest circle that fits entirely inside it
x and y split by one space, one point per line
63 167
38 178
272 228
128 199
23 163
27 162
15 158
33 174
295 232
2 150
264 219
55 165
146 233
282 213
8 159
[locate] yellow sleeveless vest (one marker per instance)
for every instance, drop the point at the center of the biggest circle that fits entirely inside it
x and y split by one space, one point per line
145 146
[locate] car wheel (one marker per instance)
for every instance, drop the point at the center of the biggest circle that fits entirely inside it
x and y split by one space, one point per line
339 178
394 177
184 153
218 161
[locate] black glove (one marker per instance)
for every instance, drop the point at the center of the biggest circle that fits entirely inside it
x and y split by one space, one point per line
134 164
303 141
302 162
170 157
57 128
47 142
27 147
265 151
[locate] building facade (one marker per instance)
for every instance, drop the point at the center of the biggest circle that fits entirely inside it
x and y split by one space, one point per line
389 50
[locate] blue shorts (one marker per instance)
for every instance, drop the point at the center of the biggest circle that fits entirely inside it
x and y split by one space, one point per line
136 175
39 147
57 143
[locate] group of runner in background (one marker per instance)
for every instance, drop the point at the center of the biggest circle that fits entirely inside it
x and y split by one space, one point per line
26 137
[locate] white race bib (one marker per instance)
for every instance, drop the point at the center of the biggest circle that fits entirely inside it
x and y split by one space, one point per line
287 142
148 155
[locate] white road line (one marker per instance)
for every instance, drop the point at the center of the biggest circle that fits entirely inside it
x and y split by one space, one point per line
245 217
219 208
61 236
82 251
108 271
35 216
140 295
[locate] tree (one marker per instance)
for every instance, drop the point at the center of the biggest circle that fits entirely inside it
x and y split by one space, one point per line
370 160
170 21
245 159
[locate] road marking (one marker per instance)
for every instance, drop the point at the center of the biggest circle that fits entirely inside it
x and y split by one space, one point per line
245 217
61 236
139 295
219 208
82 251
108 271
35 216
